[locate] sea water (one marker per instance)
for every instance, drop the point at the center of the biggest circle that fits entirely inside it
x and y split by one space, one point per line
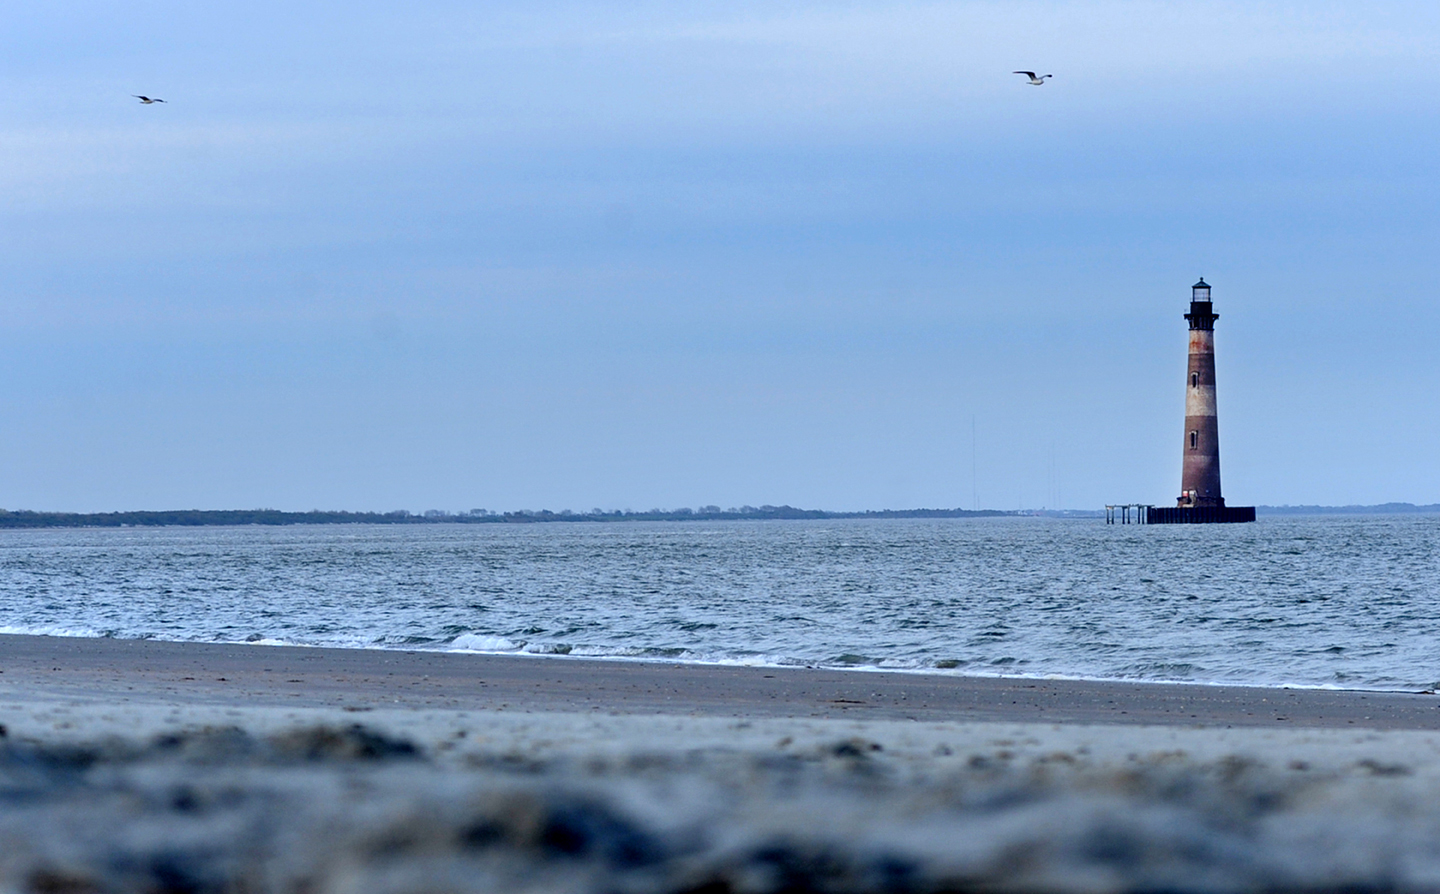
1340 601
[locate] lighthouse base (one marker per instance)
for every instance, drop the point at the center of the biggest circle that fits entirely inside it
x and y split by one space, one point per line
1198 515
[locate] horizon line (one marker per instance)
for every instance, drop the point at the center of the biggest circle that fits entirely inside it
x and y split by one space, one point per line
28 518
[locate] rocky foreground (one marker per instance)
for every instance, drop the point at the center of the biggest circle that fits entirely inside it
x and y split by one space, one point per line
151 798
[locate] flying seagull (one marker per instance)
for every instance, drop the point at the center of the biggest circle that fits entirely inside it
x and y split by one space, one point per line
1038 82
148 101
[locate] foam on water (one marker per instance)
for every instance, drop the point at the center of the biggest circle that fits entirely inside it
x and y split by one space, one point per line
49 630
473 642
1346 602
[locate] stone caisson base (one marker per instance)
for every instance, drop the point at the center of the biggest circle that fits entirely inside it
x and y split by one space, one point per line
1199 515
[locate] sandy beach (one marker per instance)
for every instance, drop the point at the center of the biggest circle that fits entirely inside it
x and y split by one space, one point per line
153 766
272 676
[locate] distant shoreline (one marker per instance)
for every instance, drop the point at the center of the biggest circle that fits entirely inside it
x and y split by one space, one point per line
1377 509
205 517
25 518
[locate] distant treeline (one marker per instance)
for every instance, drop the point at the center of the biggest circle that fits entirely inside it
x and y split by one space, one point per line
1377 509
195 517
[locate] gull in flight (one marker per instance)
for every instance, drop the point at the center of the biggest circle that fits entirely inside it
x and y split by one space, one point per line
149 101
1038 82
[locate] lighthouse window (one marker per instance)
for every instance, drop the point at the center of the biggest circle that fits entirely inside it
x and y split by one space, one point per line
1194 380
1194 439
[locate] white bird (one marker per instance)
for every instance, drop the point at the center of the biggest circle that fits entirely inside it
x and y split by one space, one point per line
1038 82
145 99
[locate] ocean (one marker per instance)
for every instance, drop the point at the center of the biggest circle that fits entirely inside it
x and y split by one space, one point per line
1326 601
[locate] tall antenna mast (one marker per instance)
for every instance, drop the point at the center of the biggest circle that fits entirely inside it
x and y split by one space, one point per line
974 479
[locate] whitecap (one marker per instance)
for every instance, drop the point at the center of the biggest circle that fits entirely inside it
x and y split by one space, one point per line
479 642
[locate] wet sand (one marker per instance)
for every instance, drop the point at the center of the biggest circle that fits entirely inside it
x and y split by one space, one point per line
278 676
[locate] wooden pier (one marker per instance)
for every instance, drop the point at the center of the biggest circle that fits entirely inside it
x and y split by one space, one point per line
1128 513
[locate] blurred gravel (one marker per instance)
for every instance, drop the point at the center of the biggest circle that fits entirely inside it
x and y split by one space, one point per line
325 809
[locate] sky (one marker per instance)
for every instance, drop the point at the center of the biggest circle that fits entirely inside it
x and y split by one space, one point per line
380 256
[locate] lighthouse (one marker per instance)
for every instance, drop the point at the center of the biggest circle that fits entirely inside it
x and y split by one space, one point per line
1200 467
1200 499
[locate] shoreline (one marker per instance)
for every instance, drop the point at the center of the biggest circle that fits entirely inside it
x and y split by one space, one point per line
365 679
941 673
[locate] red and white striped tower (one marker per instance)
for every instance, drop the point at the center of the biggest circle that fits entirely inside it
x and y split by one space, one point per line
1200 471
